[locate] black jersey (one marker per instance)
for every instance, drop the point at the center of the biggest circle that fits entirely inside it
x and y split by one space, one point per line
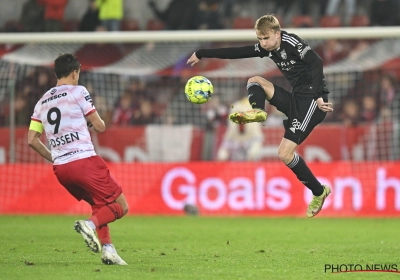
300 65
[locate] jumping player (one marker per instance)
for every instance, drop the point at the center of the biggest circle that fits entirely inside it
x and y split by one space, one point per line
305 107
64 113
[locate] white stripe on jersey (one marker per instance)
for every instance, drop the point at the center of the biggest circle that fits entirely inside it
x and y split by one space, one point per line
290 40
293 39
62 111
310 112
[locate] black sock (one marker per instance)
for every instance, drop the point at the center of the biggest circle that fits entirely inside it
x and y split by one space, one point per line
256 95
304 174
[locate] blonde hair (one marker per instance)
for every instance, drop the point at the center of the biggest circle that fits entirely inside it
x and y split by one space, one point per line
267 23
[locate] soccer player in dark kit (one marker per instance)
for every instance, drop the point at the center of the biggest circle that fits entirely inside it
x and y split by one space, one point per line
305 107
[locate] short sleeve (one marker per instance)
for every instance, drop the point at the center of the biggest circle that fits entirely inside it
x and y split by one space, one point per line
35 116
85 100
302 49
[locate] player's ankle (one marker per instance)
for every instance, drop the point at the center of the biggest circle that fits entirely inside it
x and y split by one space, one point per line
90 224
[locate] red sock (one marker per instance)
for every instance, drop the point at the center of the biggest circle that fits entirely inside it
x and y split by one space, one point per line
106 214
103 233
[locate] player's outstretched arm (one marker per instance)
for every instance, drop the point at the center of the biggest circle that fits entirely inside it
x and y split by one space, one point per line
96 121
193 59
37 145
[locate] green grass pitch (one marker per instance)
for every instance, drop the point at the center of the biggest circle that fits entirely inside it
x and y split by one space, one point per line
47 247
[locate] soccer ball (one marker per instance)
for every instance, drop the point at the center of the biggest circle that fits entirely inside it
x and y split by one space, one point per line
198 89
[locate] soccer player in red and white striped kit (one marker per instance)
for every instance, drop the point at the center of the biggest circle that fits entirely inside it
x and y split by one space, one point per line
65 113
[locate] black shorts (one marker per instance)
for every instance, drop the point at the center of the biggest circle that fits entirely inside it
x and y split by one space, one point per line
302 112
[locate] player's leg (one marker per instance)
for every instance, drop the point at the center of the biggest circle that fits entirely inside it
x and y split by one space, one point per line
109 201
102 215
303 117
110 212
258 90
103 193
63 175
299 167
103 232
286 152
109 254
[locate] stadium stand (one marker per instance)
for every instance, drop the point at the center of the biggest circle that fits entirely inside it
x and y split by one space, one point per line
154 24
243 23
302 21
70 25
359 20
330 21
130 25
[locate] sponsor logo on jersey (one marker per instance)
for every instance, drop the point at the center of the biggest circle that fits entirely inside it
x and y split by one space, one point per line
256 48
53 91
87 97
286 66
303 52
54 97
283 54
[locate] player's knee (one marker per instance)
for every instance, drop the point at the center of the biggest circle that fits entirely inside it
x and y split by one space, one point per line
285 156
122 209
125 209
255 79
267 86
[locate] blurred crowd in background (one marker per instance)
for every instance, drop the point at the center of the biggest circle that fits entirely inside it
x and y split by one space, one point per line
142 101
139 101
49 15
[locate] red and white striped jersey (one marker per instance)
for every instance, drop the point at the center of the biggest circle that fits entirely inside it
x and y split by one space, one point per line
62 111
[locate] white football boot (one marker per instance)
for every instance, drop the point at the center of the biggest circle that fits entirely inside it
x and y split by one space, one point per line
110 255
88 234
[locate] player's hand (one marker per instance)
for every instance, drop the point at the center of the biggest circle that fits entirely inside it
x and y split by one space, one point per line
324 106
193 60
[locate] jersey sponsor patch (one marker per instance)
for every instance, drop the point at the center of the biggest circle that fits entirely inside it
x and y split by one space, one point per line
283 54
87 96
303 52
53 97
